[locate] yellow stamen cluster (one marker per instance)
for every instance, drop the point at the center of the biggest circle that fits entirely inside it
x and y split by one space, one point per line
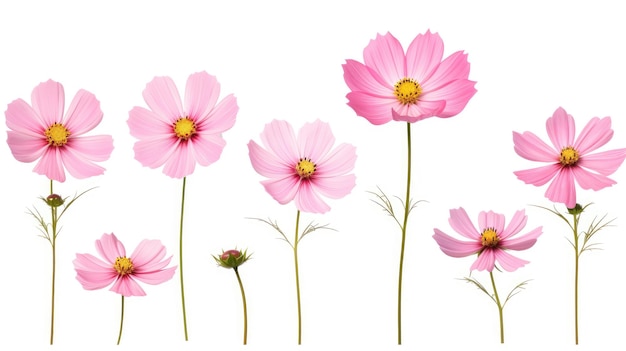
184 128
57 134
489 237
305 168
569 156
407 91
123 265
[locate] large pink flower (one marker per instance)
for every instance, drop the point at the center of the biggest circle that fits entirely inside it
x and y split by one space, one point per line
302 168
179 136
490 241
570 159
392 85
43 132
145 264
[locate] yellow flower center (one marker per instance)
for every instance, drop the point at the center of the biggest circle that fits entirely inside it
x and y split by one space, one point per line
123 265
57 134
489 237
305 168
569 156
184 128
407 91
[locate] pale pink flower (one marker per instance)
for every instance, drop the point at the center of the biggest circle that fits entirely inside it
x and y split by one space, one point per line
490 241
43 132
570 159
179 136
392 85
145 264
302 168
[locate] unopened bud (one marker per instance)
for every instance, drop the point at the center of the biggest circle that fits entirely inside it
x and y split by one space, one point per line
232 258
54 200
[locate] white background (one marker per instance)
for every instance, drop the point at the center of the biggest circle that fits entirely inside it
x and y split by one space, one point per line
283 60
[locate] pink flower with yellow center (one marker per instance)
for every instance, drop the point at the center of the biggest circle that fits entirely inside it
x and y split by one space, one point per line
570 158
491 241
302 168
392 85
145 264
42 131
179 136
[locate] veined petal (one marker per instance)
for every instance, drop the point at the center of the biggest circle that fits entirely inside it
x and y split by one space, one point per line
110 248
334 187
24 147
561 129
461 223
454 247
454 67
181 163
221 118
507 261
79 166
156 277
456 95
605 162
163 98
377 110
147 252
386 57
359 77
530 147
596 134
339 161
95 148
486 260
201 94
284 189
517 223
491 220
538 176
155 152
267 164
307 199
417 112
562 189
523 242
423 56
50 165
48 100
206 149
127 286
23 119
93 273
279 137
144 123
315 140
589 180
84 113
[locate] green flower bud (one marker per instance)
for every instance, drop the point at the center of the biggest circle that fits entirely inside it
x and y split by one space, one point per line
232 258
576 210
54 200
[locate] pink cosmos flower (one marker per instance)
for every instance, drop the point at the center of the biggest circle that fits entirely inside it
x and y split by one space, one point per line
179 136
490 241
145 264
302 168
570 158
43 132
392 85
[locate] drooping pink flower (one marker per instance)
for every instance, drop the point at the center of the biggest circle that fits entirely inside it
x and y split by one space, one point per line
302 168
490 242
43 132
570 159
392 85
179 136
145 264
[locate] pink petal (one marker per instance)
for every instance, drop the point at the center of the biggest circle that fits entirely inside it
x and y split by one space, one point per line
596 134
486 260
21 118
26 148
144 123
282 190
530 147
523 242
155 152
561 129
315 140
279 137
456 95
589 180
147 252
339 161
538 176
93 273
460 222
454 247
516 224
127 286
509 262
605 162
79 166
48 100
163 98
221 118
50 165
201 94
417 112
110 248
206 149
334 187
267 164
181 163
492 220
359 77
386 57
156 277
377 110
84 113
96 148
562 189
423 56
454 67
307 200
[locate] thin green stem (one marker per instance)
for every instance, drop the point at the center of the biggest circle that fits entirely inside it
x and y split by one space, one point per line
119 336
54 260
180 257
295 257
500 307
404 223
576 257
245 309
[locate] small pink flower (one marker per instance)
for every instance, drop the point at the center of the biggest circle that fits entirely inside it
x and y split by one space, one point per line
305 167
570 158
180 136
145 264
43 132
392 85
490 241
